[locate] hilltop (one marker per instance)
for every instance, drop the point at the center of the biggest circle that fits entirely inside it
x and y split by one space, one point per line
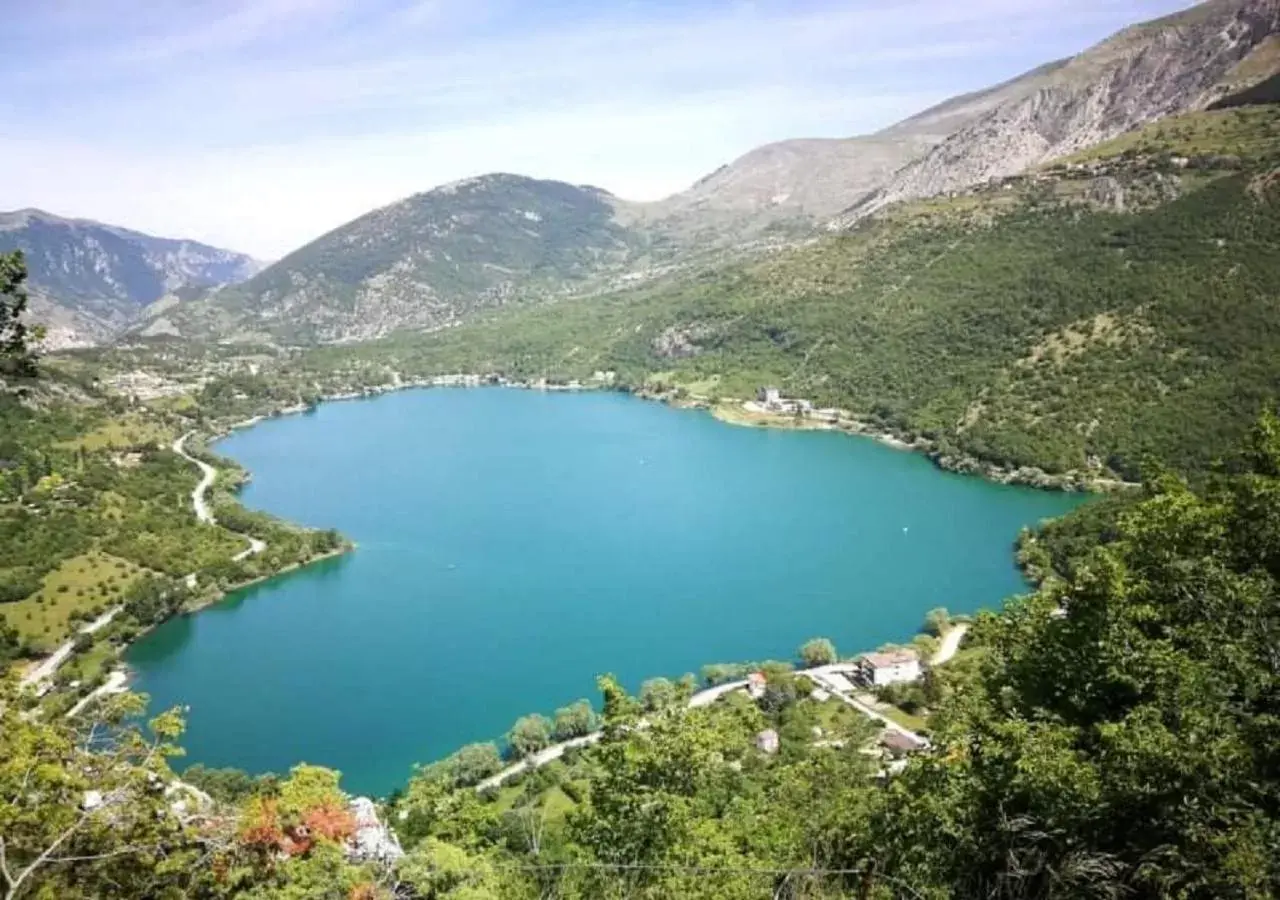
1180 63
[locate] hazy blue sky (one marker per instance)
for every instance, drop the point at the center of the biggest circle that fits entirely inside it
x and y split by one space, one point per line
259 124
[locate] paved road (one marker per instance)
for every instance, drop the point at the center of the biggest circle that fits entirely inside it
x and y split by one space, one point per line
822 677
115 684
208 474
950 644
201 506
555 751
50 664
541 758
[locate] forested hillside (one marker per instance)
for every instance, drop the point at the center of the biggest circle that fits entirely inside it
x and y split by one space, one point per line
1119 304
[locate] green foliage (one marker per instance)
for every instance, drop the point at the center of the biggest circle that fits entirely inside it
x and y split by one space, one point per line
232 786
658 694
468 766
575 720
529 735
17 355
937 621
308 787
1055 333
1127 747
818 652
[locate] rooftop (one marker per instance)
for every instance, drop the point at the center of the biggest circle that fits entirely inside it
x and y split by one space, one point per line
882 659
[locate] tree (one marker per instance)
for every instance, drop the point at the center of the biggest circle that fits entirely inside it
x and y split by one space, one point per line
439 870
307 788
474 763
575 720
10 644
17 356
818 652
1120 737
81 817
657 694
937 621
529 735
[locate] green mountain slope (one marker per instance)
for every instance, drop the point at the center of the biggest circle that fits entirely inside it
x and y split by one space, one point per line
1076 318
427 262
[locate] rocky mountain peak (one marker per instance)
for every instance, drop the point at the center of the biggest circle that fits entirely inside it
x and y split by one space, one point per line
1143 73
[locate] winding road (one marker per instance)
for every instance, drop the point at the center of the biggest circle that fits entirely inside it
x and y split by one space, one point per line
45 668
207 472
203 514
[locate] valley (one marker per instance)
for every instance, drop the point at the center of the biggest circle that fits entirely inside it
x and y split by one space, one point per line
1065 281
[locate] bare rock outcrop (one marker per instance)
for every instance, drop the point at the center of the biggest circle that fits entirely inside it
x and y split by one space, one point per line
1144 73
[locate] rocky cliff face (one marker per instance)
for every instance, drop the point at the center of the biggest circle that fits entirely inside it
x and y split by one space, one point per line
89 281
1180 63
799 183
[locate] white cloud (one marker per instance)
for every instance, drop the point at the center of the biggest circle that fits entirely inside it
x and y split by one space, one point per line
262 126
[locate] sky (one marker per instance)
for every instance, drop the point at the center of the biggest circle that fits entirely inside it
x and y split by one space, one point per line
258 125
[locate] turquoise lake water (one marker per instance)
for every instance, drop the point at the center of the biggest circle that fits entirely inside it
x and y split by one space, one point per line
513 545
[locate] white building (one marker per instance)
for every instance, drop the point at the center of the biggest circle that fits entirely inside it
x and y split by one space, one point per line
889 667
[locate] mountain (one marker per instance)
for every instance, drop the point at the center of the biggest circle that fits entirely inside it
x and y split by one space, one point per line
439 258
798 183
1179 63
88 281
1076 319
427 262
433 260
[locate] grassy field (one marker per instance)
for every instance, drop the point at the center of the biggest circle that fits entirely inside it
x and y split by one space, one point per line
121 433
905 719
554 802
87 584
835 717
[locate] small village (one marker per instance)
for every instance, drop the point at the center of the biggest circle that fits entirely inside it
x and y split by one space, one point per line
854 683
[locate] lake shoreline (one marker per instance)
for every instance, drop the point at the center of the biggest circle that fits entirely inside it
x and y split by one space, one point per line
734 412
533 416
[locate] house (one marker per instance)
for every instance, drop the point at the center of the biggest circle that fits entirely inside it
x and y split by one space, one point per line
898 744
889 667
767 741
769 396
756 685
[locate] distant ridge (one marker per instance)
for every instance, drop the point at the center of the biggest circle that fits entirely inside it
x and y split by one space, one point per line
1145 72
89 280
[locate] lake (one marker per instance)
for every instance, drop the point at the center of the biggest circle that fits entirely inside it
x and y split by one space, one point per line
513 545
